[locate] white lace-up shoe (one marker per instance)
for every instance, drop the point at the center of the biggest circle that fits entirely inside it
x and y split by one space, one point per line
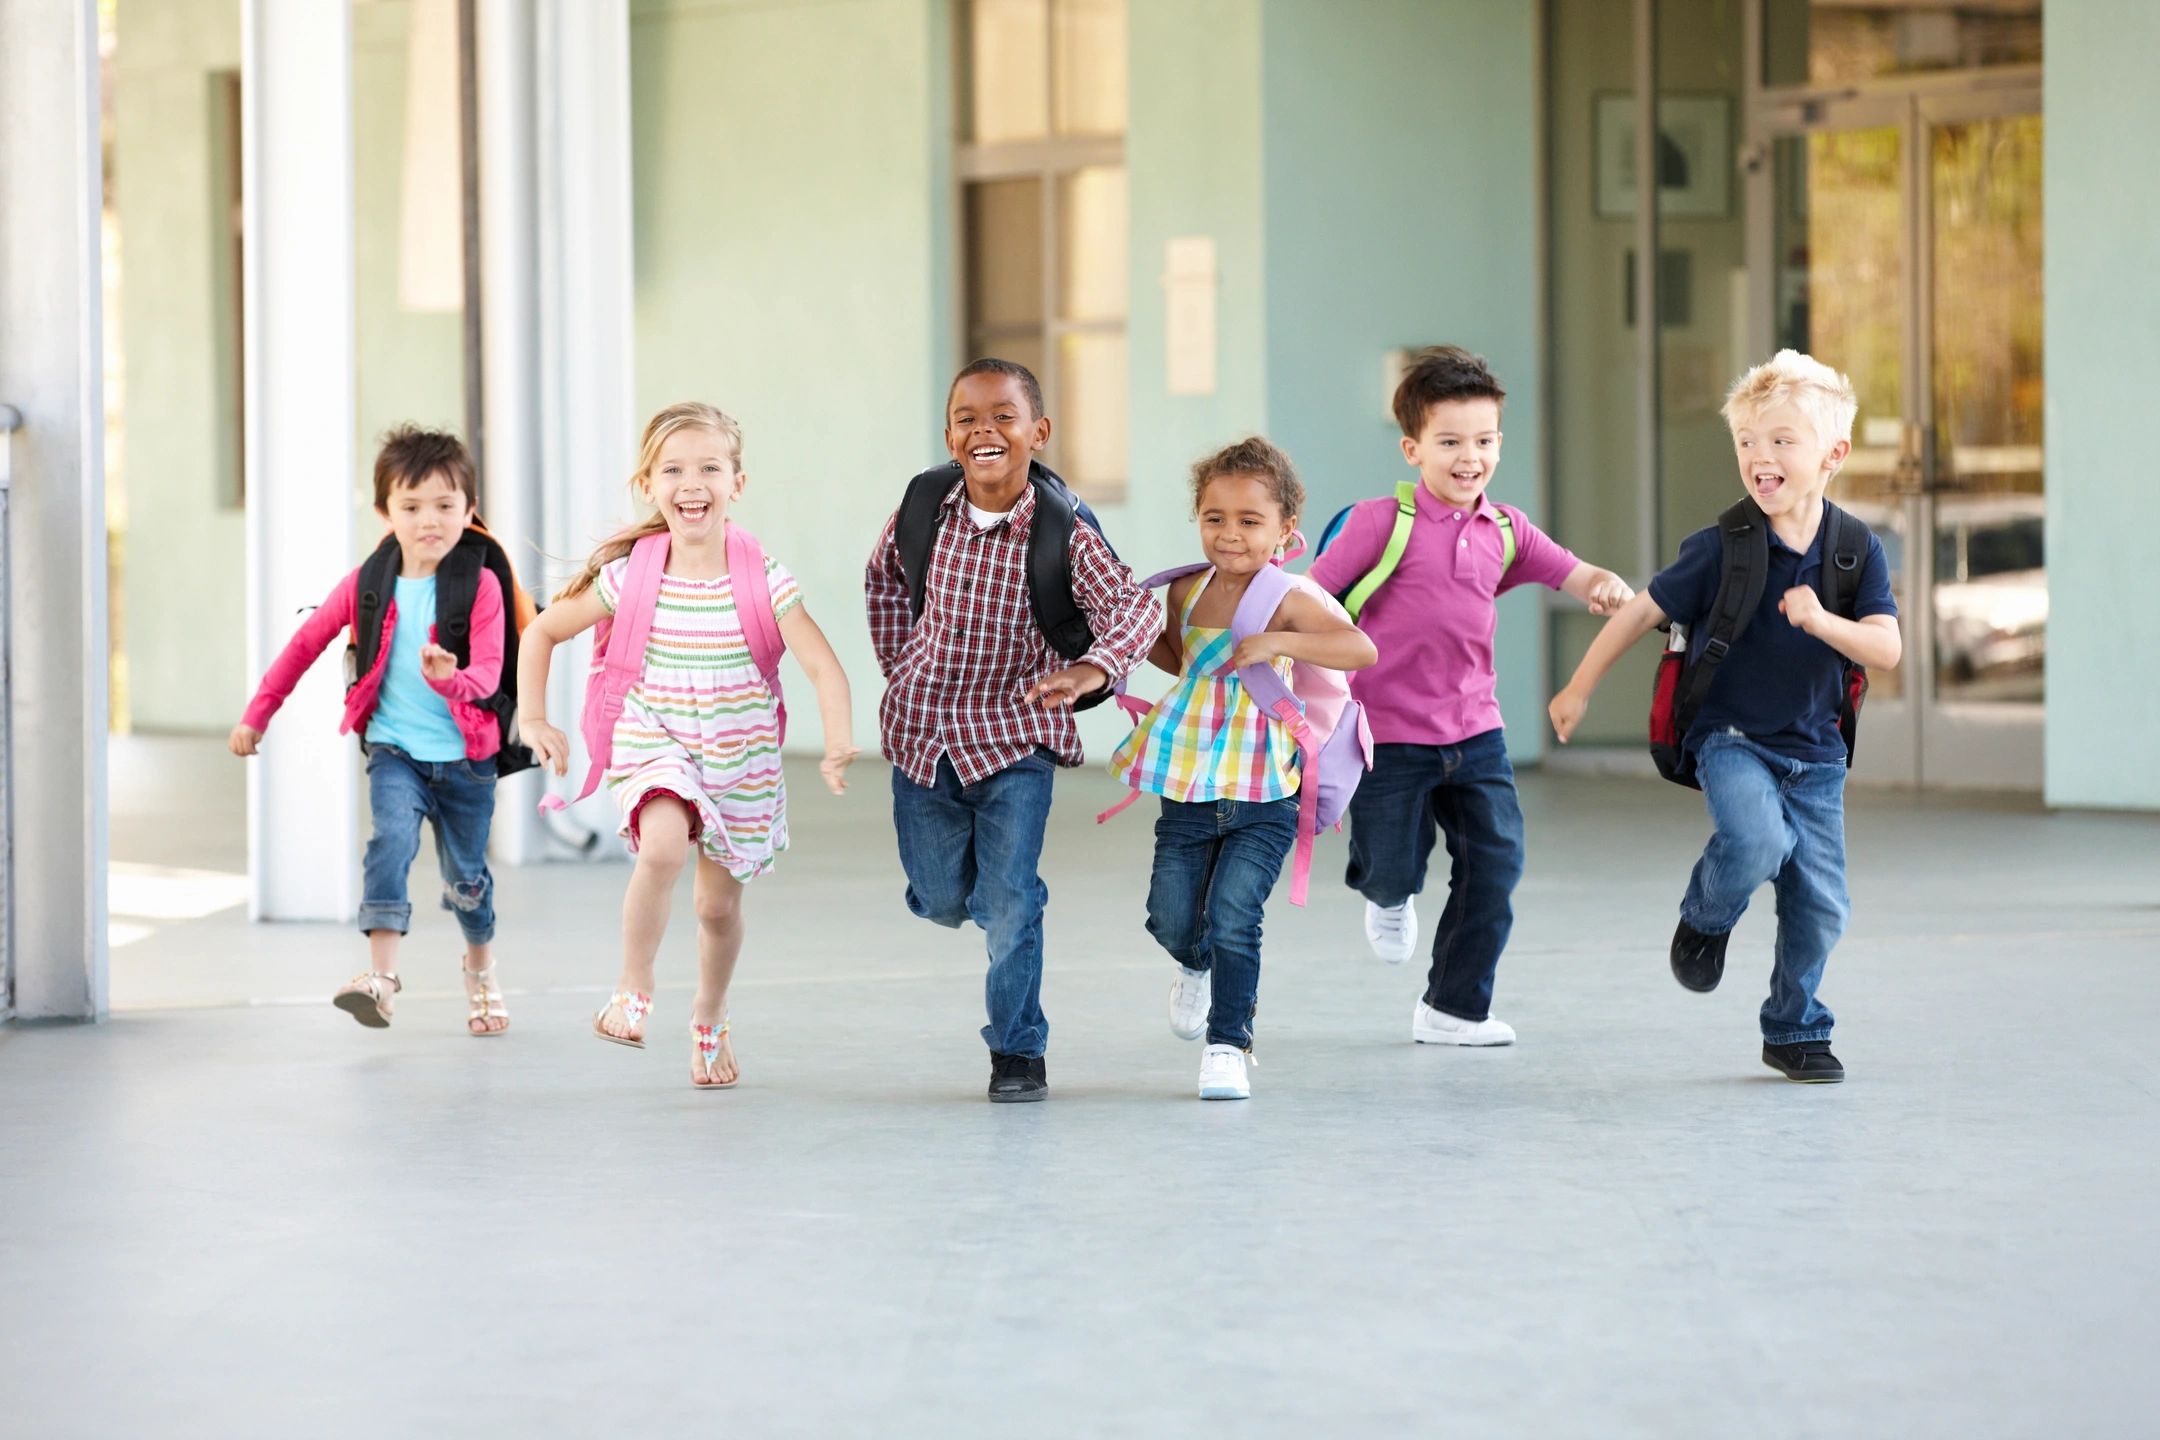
1222 1073
1190 995
1437 1027
1391 930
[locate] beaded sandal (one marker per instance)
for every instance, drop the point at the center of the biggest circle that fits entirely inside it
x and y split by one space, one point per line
707 1038
635 1007
487 1003
362 998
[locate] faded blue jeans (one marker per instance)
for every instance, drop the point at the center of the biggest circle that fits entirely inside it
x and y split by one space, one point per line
972 852
1215 862
457 797
1782 821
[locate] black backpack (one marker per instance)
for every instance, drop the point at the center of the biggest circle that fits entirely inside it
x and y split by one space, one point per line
457 585
1057 510
1682 686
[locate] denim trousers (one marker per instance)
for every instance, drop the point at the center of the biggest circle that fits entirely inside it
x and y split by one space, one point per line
1465 792
456 797
972 852
1779 820
1215 862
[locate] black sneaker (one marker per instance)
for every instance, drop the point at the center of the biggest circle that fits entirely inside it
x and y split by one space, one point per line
1810 1062
1014 1078
1698 960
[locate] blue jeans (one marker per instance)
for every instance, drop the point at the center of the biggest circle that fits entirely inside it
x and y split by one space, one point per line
971 852
1779 820
1215 862
1466 792
458 798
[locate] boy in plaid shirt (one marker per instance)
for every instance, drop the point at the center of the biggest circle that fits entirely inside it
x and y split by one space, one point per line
977 712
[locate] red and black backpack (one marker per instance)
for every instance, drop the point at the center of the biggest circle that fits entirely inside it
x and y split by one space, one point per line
1683 683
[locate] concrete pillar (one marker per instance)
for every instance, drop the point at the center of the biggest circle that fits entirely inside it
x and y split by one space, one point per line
52 370
303 796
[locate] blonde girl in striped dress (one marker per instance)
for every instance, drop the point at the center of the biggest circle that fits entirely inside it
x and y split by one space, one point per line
1227 774
695 763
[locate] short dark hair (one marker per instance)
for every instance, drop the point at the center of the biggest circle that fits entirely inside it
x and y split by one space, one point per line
1437 373
1264 462
1011 369
409 455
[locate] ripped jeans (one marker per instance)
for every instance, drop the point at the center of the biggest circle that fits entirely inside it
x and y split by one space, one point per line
458 798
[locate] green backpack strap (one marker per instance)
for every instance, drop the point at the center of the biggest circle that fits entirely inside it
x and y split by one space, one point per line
1398 541
1507 538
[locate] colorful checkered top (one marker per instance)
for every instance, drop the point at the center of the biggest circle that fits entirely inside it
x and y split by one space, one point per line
1206 740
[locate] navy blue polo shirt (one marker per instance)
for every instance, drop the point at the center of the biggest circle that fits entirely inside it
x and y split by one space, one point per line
1779 685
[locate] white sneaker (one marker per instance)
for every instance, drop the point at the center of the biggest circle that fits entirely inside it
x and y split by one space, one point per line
1190 995
1222 1074
1437 1027
1391 930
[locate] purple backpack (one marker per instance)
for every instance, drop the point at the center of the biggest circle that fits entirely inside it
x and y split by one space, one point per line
1333 740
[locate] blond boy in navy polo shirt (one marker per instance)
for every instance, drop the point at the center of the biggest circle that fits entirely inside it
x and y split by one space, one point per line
1766 741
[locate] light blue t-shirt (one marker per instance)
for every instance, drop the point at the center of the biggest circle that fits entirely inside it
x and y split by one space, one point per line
408 712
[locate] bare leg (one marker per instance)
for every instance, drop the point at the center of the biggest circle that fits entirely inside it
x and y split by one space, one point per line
720 937
477 959
382 959
663 849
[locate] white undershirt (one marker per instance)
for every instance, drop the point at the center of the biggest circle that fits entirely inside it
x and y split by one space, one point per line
984 519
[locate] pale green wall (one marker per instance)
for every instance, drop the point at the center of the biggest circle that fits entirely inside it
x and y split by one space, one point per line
786 202
1401 208
2103 314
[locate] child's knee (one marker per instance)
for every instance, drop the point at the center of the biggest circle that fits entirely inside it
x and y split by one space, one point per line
1176 929
467 895
719 907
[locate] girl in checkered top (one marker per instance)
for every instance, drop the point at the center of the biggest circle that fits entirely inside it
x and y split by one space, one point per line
694 758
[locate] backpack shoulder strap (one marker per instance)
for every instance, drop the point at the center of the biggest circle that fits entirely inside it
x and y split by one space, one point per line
1507 537
753 601
1391 555
1845 539
618 658
1743 571
374 584
1049 563
457 586
915 528
1270 586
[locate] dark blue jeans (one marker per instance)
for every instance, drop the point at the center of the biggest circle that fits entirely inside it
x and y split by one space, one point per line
971 852
1781 821
1215 862
457 797
1467 793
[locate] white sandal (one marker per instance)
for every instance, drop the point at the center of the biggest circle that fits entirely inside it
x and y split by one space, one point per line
707 1039
363 998
486 1003
635 1007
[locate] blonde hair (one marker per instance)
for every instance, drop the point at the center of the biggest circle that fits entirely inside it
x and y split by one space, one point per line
1811 387
685 415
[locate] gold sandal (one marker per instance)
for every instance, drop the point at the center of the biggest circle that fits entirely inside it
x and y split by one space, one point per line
635 1007
707 1039
486 1003
362 998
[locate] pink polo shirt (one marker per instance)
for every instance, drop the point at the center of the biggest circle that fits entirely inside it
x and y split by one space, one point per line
1433 620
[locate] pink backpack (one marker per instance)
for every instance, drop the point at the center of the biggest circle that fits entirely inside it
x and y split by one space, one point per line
1332 737
619 641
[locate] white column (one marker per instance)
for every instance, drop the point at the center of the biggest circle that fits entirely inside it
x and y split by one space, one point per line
51 369
303 798
587 291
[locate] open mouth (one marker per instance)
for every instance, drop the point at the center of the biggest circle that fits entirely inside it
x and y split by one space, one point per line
1768 483
693 510
988 454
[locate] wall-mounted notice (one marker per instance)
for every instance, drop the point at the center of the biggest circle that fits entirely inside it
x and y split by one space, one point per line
1189 314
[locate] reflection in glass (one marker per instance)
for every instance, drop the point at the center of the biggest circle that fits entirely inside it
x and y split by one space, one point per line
1088 50
1005 253
1827 42
1088 433
1008 64
1091 244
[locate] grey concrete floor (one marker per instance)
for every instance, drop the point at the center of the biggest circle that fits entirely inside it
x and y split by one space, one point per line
240 1219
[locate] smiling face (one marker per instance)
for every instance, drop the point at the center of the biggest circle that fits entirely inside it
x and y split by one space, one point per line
1242 524
694 478
427 518
1457 449
1784 462
992 430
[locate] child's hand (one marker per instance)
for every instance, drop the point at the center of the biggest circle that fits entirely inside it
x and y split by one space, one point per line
1802 607
437 663
548 744
1261 649
834 767
243 739
1609 595
1060 688
1567 710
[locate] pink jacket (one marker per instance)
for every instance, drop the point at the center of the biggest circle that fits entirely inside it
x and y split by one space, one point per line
474 683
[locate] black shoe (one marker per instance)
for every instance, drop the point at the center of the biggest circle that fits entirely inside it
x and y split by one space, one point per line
1698 960
1810 1062
1014 1078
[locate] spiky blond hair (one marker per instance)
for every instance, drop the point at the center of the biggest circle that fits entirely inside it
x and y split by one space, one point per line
1789 377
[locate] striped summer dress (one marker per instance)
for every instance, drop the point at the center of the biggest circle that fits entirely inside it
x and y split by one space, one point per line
701 723
1206 740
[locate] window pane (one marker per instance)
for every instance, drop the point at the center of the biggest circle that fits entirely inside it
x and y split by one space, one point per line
1088 414
1089 51
1008 68
1091 244
1004 250
1823 42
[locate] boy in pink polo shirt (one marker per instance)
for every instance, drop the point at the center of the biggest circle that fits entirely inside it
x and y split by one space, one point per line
1439 760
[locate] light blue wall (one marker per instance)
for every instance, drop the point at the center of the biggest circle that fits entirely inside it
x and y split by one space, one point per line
1401 176
2103 316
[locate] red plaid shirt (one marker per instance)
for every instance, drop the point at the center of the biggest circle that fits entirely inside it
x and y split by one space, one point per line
956 678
